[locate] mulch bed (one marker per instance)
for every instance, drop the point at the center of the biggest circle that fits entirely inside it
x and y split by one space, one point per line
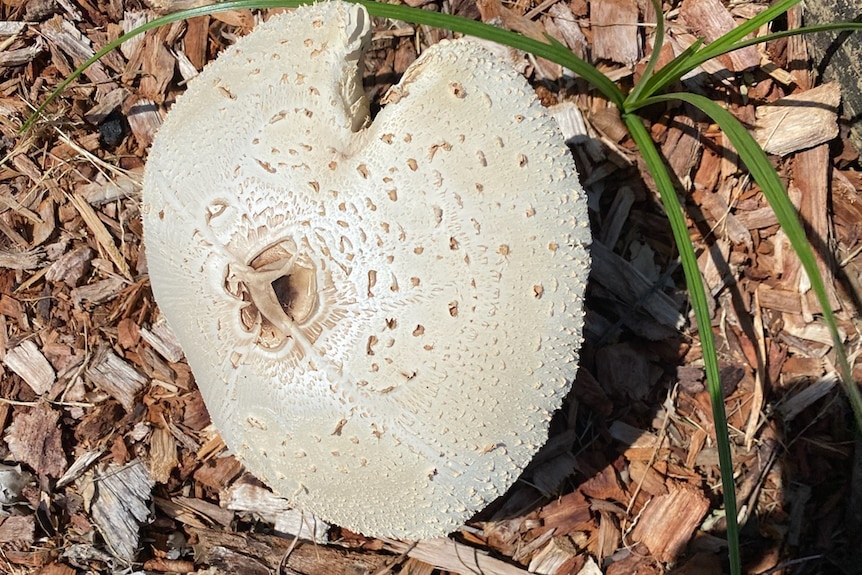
109 458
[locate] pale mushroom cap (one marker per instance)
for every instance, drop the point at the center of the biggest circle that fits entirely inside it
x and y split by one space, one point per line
381 320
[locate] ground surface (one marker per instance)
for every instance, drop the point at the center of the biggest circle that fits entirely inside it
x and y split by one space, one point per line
108 454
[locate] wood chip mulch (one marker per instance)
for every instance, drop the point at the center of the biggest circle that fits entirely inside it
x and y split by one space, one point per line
109 459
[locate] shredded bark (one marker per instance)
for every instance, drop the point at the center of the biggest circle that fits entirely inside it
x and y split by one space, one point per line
111 461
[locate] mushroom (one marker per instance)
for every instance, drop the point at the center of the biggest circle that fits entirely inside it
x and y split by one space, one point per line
381 316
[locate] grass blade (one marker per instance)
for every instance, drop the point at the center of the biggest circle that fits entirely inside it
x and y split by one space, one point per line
697 294
635 94
689 60
833 27
554 52
764 174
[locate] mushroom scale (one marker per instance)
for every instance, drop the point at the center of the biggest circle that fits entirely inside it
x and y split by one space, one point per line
381 316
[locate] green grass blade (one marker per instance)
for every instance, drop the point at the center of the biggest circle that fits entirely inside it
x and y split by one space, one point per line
764 174
635 94
669 73
554 52
688 61
832 27
697 294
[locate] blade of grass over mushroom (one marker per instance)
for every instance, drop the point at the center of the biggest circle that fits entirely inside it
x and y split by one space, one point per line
697 294
553 51
764 174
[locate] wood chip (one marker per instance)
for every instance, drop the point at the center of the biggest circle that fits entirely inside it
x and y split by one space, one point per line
163 454
553 557
20 260
119 502
452 556
797 403
144 120
71 267
35 438
163 340
101 234
710 19
115 376
247 497
625 371
799 121
666 525
98 292
258 554
78 47
18 529
615 31
619 276
27 361
12 481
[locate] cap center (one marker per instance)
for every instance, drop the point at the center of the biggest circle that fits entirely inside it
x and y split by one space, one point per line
280 291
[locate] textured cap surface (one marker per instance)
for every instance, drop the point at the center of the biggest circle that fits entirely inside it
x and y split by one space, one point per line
381 318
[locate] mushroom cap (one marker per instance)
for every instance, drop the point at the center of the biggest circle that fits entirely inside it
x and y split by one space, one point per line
381 317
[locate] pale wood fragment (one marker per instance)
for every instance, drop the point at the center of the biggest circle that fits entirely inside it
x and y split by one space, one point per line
28 362
561 20
811 176
590 568
779 299
116 377
553 556
21 56
101 234
668 521
144 120
799 121
163 454
10 28
710 19
757 219
247 497
615 31
106 104
632 436
131 20
494 11
119 502
104 190
79 466
162 339
97 292
12 481
20 260
453 556
259 554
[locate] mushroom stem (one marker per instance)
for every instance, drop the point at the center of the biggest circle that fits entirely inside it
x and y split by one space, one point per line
259 284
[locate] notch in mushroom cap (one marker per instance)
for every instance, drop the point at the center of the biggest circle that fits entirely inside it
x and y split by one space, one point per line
381 317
